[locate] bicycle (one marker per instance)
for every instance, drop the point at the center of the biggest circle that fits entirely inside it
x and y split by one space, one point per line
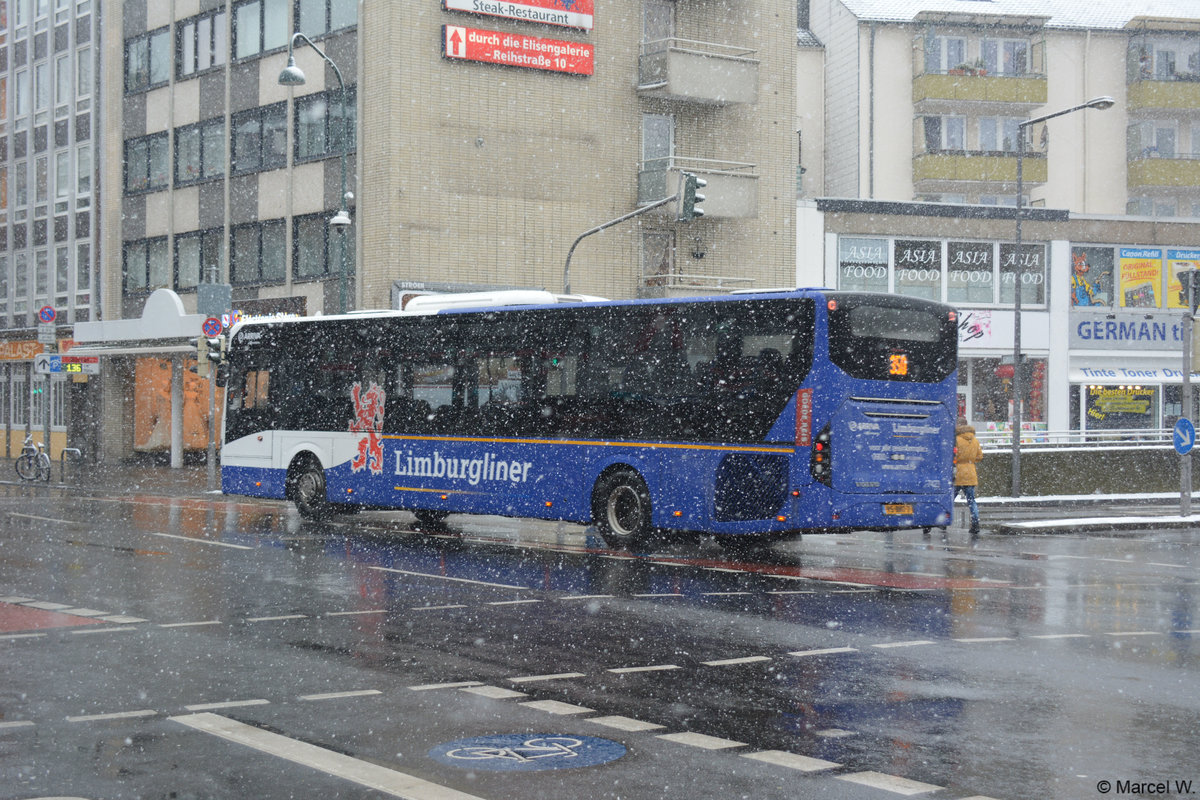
34 461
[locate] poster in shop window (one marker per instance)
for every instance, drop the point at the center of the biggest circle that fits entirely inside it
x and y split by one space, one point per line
1141 277
1179 261
1091 276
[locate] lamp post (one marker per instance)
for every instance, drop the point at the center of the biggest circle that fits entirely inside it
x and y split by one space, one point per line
292 75
1100 103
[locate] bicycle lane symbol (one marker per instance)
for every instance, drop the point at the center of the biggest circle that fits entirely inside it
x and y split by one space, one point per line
527 752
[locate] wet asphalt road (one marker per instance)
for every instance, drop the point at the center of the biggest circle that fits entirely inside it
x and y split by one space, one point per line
159 647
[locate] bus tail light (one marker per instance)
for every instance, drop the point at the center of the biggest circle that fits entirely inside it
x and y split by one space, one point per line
819 461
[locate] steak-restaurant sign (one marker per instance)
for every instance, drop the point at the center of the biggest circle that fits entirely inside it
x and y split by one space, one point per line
514 50
566 13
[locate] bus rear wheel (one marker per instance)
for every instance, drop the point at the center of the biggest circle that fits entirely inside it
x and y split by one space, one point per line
431 517
307 490
621 509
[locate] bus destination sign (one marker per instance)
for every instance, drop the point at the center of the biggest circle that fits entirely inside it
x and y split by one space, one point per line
564 13
515 50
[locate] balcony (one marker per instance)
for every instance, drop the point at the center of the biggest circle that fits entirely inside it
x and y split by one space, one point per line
1180 94
698 72
958 86
977 166
731 193
1179 171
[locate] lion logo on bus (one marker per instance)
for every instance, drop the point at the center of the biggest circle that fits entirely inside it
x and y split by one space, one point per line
368 419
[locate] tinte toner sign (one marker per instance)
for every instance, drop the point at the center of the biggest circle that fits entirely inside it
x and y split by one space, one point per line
514 50
567 13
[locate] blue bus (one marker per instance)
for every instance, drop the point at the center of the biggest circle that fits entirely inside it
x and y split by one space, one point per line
751 414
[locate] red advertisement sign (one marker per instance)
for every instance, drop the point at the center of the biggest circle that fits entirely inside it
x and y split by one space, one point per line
514 50
804 418
567 13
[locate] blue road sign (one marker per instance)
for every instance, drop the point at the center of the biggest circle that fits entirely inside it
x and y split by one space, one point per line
528 752
46 314
1185 436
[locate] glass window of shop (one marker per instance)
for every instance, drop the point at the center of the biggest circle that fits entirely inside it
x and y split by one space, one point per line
1024 265
969 272
862 264
1108 408
919 268
989 382
1091 276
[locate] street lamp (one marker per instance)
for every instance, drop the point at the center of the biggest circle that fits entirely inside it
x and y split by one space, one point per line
1100 103
292 75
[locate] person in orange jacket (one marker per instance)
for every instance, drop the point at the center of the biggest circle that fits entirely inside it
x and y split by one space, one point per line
968 453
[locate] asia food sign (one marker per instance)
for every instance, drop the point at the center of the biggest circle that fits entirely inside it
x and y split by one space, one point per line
515 50
566 13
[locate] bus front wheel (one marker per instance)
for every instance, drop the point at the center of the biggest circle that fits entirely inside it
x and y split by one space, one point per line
621 509
308 490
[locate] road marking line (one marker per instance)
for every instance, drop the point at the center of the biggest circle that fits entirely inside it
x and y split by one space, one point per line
84 612
625 723
122 619
448 578
226 704
555 707
146 712
828 651
1133 633
660 594
1196 630
889 783
194 540
792 761
340 695
701 740
586 597
16 599
373 776
276 619
512 602
1061 636
984 639
83 631
655 668
914 643
44 519
437 608
20 723
834 733
44 606
190 624
556 677
24 635
729 662
1160 564
351 613
493 692
722 594
428 686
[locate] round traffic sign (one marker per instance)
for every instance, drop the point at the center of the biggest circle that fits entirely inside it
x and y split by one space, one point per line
211 327
46 314
1185 436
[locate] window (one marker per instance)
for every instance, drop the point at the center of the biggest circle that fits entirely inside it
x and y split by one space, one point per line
200 44
83 170
198 258
1164 65
200 152
63 93
147 265
969 277
319 124
62 275
862 264
919 268
945 133
62 179
317 17
146 164
998 134
260 139
259 26
21 101
83 68
1028 266
20 282
147 60
944 53
316 248
1006 56
257 254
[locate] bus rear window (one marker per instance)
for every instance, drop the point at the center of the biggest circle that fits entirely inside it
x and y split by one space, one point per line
878 338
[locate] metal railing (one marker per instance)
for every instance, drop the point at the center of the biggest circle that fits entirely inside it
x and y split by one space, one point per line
1108 439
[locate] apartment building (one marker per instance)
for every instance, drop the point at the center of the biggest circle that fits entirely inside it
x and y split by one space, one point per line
923 103
475 143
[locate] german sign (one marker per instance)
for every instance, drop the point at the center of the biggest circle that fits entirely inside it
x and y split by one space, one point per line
565 13
46 314
514 50
45 364
211 327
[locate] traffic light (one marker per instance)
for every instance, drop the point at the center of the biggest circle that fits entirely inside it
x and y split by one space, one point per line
216 349
202 362
688 202
1189 288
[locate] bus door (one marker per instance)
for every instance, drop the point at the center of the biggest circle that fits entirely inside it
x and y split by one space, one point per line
883 446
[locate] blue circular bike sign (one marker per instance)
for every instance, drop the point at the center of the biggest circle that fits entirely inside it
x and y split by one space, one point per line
527 752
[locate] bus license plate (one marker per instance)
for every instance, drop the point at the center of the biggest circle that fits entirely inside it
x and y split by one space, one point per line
897 509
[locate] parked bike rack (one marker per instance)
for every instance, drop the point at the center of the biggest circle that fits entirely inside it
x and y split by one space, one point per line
76 456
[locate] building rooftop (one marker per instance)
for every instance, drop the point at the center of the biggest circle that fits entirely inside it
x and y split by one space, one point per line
1090 14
